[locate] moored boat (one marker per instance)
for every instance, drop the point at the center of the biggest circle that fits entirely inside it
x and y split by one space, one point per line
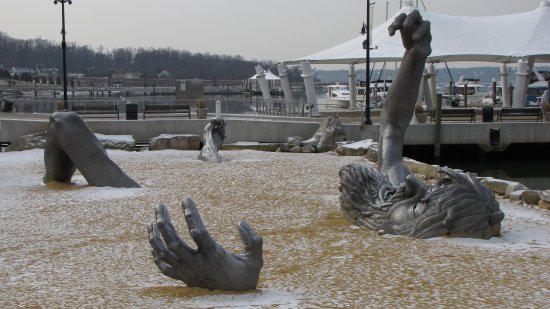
467 91
339 95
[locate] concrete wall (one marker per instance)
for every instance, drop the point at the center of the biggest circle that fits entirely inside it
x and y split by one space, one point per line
258 130
143 130
236 130
12 128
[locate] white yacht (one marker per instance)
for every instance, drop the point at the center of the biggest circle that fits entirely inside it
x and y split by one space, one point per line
339 95
475 95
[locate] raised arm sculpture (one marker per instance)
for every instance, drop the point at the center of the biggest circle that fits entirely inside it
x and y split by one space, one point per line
391 199
71 145
398 108
210 265
214 134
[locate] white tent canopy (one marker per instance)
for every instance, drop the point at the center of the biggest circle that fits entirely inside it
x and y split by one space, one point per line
268 76
504 39
273 81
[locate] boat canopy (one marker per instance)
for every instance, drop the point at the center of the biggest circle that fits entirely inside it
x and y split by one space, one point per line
503 39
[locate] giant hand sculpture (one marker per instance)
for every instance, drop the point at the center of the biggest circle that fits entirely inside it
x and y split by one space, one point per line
210 265
70 144
393 200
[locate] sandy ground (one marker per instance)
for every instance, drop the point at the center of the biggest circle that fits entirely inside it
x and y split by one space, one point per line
82 246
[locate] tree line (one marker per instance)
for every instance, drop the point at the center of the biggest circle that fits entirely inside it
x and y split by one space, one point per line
149 62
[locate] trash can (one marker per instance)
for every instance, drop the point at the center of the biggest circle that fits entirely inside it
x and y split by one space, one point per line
8 106
131 111
487 114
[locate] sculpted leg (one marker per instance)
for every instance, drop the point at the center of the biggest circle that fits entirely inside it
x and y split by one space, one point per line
59 166
70 145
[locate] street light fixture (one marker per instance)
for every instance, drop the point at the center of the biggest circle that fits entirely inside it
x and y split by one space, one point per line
64 48
366 46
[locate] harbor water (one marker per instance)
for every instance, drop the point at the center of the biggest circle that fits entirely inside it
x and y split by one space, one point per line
528 164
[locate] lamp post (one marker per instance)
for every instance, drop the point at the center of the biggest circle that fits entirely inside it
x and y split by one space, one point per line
366 46
64 48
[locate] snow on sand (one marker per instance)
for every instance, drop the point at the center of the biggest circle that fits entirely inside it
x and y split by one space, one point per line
77 245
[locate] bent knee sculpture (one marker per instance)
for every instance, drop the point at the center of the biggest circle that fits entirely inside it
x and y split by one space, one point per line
71 145
392 200
210 265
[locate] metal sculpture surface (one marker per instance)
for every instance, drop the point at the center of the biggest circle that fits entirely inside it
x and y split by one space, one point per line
210 265
214 134
391 199
71 145
458 205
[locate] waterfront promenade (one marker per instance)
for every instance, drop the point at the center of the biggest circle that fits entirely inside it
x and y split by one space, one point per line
490 136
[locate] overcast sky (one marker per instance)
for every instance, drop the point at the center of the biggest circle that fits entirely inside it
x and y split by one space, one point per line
255 29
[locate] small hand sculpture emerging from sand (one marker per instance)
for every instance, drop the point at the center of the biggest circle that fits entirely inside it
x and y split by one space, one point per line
210 265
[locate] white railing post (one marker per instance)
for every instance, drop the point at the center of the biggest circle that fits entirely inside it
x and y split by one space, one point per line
218 109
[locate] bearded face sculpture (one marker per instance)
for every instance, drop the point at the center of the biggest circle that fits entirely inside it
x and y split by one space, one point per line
458 205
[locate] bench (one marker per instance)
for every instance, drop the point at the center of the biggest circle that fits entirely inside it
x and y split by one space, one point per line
520 113
455 113
167 110
96 109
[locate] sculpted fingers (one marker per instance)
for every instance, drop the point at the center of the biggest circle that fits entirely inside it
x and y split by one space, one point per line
167 269
415 34
412 21
249 238
397 23
407 24
199 233
422 32
160 252
210 266
169 234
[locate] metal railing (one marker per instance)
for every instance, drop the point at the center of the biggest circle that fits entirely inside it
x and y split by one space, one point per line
231 105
